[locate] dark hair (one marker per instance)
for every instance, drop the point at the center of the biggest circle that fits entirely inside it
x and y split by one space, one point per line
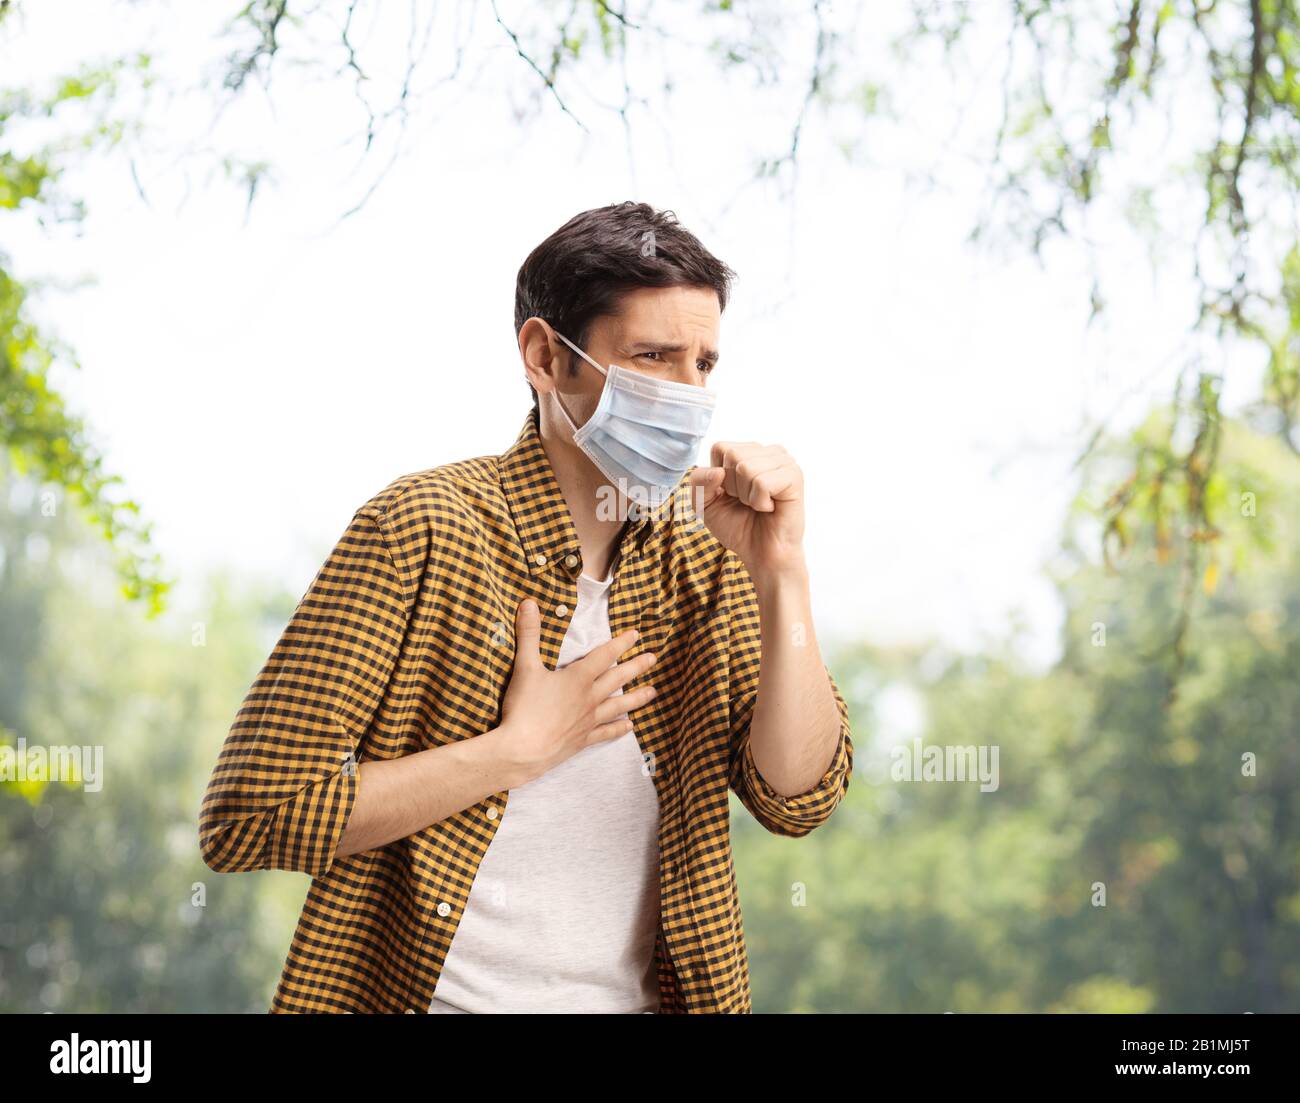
578 273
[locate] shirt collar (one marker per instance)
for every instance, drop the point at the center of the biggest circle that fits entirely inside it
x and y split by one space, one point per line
541 515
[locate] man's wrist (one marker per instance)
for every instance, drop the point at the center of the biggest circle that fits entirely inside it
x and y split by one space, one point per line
493 751
772 582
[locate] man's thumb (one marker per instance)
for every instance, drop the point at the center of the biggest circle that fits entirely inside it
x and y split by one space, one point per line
528 632
706 484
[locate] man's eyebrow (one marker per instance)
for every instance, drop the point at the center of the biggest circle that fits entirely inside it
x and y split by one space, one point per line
711 355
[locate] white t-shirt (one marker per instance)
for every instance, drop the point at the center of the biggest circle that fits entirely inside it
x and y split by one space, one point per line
563 911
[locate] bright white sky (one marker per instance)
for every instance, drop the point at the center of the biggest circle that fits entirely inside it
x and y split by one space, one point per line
255 382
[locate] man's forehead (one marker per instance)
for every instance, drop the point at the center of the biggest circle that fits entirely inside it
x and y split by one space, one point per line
680 327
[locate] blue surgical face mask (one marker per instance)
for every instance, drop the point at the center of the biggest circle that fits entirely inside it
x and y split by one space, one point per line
645 433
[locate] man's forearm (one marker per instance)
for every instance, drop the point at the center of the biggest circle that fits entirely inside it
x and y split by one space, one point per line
398 797
796 723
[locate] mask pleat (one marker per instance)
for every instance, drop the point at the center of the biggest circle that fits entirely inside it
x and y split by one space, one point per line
668 449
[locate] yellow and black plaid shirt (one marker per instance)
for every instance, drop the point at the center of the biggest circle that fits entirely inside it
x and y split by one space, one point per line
405 640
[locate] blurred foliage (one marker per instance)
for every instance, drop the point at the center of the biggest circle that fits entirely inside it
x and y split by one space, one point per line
98 910
928 896
39 434
1086 91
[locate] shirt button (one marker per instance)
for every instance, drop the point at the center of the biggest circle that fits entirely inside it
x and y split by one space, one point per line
540 559
491 813
444 908
570 560
561 610
410 1010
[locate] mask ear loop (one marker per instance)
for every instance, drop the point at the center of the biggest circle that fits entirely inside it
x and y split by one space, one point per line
572 424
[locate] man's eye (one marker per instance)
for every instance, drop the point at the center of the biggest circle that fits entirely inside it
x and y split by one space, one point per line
650 354
705 366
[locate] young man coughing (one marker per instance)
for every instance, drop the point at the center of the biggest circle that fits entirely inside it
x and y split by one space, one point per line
501 727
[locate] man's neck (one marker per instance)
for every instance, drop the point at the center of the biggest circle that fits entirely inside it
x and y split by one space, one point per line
584 487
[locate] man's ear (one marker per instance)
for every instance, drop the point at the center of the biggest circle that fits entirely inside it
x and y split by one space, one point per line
540 350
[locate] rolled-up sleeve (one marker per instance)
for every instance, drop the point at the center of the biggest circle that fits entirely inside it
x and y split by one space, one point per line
286 778
799 813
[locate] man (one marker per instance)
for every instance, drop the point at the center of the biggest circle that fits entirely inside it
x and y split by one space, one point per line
501 727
